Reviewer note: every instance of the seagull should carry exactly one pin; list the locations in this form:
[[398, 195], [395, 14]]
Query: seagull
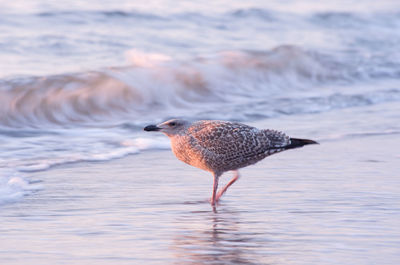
[[221, 146]]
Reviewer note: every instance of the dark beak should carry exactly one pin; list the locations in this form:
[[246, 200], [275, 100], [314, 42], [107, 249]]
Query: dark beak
[[151, 128]]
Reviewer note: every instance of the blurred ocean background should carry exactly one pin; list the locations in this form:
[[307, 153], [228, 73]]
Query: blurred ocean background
[[79, 81]]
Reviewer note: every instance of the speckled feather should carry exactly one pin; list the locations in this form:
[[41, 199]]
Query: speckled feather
[[220, 146]]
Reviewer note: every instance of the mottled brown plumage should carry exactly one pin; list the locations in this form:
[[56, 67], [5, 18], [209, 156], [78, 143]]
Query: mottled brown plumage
[[220, 146]]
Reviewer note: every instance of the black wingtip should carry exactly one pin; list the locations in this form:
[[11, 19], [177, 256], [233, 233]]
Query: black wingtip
[[295, 143], [303, 141]]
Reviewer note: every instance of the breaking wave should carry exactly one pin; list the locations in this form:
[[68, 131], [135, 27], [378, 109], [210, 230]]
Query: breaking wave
[[279, 81]]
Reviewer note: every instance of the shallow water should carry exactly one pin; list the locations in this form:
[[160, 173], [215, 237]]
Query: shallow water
[[81, 183], [241, 61], [278, 214], [335, 203]]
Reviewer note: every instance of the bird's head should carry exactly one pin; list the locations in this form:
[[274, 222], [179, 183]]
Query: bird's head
[[170, 128]]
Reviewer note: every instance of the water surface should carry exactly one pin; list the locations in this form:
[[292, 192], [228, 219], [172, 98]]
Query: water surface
[[81, 183]]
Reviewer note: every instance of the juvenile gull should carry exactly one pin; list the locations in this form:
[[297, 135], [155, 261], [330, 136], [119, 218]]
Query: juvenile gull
[[220, 146]]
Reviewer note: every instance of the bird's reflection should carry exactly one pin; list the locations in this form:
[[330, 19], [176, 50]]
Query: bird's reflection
[[213, 237]]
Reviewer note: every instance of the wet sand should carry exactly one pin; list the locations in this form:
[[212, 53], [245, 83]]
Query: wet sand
[[335, 203]]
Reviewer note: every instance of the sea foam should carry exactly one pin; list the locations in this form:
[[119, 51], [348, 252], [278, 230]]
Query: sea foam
[[13, 186]]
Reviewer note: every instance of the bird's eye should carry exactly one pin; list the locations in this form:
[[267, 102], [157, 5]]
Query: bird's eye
[[172, 123]]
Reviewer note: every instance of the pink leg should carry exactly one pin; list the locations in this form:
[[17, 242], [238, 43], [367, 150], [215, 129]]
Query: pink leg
[[221, 192], [215, 188]]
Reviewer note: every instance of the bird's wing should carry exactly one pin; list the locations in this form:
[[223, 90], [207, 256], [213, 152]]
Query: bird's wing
[[236, 141]]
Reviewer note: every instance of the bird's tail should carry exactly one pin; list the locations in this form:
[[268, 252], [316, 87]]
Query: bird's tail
[[295, 143]]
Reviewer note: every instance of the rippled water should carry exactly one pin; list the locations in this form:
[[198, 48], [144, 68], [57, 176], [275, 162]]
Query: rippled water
[[336, 203], [79, 179]]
